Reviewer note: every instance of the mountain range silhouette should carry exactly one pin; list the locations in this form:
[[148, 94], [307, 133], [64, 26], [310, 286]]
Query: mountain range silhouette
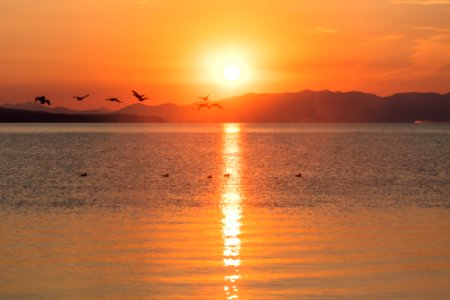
[[305, 106]]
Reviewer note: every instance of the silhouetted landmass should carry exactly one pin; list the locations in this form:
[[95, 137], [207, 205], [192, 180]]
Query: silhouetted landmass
[[306, 106], [173, 112], [8, 115], [310, 106], [33, 106], [418, 106]]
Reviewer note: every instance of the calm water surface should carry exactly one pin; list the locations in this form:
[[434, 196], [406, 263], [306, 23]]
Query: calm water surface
[[368, 219]]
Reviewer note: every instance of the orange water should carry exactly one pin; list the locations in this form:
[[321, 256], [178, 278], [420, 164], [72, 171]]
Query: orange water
[[368, 219]]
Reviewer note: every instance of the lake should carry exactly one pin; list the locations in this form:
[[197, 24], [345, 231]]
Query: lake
[[369, 217]]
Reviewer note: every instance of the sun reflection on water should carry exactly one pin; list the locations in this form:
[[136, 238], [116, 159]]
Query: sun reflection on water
[[231, 206]]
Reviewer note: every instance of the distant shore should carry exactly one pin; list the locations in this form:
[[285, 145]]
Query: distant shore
[[25, 116], [299, 107]]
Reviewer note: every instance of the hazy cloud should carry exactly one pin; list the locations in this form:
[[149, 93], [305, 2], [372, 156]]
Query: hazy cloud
[[322, 29], [431, 29], [433, 52], [373, 52], [445, 69], [421, 2]]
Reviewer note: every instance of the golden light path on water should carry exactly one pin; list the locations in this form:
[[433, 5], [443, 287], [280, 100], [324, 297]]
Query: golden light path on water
[[231, 205]]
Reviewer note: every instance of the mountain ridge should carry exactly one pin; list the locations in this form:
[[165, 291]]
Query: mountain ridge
[[304, 106], [9, 115]]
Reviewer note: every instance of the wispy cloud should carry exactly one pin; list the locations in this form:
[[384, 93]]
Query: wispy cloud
[[422, 2], [445, 69], [383, 40], [433, 51], [431, 29], [322, 29], [388, 52]]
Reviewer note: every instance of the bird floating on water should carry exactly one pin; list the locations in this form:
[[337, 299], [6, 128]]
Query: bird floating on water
[[80, 98], [226, 175], [140, 97], [210, 176], [165, 175], [42, 100], [83, 174], [114, 100], [298, 175]]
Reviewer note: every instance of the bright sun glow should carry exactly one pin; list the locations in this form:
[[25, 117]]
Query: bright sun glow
[[232, 128], [228, 68], [232, 72]]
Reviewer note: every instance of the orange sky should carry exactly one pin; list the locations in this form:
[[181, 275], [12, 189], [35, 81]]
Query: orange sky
[[170, 49]]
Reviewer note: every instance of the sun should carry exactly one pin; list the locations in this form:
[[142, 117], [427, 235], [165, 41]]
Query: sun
[[232, 72], [229, 69]]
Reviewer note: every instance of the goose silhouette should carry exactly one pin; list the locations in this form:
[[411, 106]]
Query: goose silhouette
[[114, 100], [140, 97], [200, 105], [204, 98], [208, 106], [80, 98], [42, 100]]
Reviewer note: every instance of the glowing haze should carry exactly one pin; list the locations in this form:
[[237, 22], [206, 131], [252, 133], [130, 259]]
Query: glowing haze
[[174, 51]]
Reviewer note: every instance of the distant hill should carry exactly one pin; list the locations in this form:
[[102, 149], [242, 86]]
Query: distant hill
[[33, 106], [408, 107], [171, 112], [309, 106], [8, 115], [305, 106]]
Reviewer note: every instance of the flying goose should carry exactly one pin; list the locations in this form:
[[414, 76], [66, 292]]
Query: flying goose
[[42, 100], [114, 100], [139, 96], [79, 98]]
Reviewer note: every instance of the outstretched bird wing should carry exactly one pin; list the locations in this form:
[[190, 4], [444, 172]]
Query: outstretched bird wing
[[218, 105], [200, 105], [139, 96], [113, 100], [79, 98]]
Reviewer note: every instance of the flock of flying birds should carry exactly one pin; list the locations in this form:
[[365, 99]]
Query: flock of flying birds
[[205, 103], [141, 97]]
